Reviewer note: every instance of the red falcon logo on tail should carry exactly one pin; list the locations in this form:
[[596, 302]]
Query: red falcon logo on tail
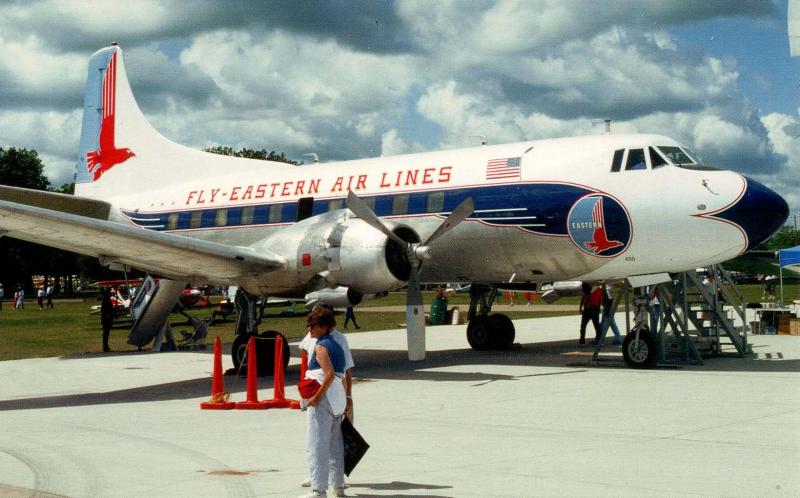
[[108, 155]]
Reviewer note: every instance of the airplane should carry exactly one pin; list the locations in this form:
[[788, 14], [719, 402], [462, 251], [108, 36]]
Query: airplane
[[515, 215]]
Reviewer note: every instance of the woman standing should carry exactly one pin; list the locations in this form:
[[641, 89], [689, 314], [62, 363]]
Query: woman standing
[[325, 407]]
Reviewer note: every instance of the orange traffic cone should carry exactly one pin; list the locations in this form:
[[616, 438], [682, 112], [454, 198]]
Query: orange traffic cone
[[279, 400], [219, 398], [252, 402]]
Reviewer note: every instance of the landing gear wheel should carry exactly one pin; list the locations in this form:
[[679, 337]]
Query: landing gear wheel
[[265, 349], [239, 352], [479, 333], [640, 353], [502, 330], [265, 352]]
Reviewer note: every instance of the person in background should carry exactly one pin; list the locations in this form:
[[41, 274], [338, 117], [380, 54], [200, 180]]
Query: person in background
[[49, 295], [2, 293], [590, 310], [350, 315], [324, 446], [608, 317], [655, 308], [20, 303], [106, 316], [40, 297]]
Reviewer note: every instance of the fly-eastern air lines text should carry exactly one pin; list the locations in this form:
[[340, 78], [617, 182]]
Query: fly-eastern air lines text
[[314, 186]]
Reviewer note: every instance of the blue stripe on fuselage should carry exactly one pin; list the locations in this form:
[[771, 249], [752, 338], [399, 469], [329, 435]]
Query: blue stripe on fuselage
[[536, 207]]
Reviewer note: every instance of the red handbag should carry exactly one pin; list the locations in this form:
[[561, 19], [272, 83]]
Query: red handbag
[[308, 388]]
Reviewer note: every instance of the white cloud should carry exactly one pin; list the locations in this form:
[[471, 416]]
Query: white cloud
[[392, 144]]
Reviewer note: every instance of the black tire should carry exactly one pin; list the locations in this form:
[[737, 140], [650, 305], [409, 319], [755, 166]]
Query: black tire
[[265, 349], [641, 353], [265, 352], [479, 333], [502, 332], [239, 352]]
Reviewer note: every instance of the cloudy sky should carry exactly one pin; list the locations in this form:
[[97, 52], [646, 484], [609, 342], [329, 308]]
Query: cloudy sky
[[349, 79]]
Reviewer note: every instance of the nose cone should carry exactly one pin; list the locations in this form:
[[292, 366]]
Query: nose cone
[[759, 213]]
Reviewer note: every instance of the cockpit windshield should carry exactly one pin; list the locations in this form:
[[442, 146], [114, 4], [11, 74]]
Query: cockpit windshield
[[676, 155], [684, 158]]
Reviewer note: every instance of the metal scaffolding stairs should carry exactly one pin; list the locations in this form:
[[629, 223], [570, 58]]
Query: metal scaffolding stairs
[[696, 320], [711, 311]]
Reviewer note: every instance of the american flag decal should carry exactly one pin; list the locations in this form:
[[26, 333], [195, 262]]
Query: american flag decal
[[507, 167]]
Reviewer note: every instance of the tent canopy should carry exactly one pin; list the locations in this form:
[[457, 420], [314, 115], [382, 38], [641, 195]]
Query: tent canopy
[[788, 257]]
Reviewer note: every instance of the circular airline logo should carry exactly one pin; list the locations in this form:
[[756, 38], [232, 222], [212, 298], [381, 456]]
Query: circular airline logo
[[599, 225]]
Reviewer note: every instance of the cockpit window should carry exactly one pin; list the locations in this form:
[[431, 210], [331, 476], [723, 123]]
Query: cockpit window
[[656, 161], [635, 160], [697, 159], [676, 155], [616, 164]]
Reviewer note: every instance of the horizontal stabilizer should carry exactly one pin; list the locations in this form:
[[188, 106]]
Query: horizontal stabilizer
[[65, 203], [165, 254]]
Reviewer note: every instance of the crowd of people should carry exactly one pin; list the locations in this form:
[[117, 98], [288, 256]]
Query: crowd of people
[[44, 297]]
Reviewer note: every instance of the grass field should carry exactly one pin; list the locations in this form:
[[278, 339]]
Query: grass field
[[69, 328]]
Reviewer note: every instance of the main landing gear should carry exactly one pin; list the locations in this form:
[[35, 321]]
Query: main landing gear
[[487, 332], [247, 320]]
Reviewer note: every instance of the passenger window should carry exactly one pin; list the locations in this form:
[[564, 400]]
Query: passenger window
[[656, 161], [275, 212], [636, 160], [194, 221], [335, 204], [616, 164], [172, 221], [221, 218], [370, 202], [435, 202], [400, 204], [247, 215]]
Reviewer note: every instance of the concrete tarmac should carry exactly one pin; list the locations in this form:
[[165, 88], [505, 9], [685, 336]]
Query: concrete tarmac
[[537, 421]]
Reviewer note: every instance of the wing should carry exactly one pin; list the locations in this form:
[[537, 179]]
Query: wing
[[169, 255]]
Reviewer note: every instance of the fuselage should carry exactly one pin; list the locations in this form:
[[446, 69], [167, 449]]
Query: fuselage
[[574, 208]]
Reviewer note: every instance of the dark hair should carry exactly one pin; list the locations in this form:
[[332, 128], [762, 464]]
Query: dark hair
[[322, 316]]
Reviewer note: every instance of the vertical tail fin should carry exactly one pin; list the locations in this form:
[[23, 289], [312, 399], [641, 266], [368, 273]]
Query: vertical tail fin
[[121, 154], [113, 128]]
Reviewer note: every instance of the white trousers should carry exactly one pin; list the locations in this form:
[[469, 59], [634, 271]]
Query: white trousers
[[324, 447]]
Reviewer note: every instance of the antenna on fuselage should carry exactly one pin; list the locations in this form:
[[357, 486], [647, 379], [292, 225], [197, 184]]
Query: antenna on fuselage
[[314, 155], [483, 138], [607, 122]]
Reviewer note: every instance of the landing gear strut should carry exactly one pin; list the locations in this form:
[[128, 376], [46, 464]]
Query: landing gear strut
[[639, 349], [487, 332], [247, 320]]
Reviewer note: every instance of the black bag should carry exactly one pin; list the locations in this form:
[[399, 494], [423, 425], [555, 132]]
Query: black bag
[[354, 446]]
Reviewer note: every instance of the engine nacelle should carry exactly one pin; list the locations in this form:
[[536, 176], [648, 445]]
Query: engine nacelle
[[335, 249], [365, 259], [339, 297]]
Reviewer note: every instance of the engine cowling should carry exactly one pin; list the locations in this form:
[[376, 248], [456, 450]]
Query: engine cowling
[[365, 259], [335, 249]]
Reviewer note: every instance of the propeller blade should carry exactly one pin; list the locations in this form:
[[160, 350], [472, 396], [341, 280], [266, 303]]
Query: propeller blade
[[459, 214], [415, 316], [357, 206]]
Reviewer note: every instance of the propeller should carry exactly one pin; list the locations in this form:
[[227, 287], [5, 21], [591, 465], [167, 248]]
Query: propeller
[[416, 252]]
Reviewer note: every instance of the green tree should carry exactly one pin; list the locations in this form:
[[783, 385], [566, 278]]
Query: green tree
[[261, 154], [22, 168], [785, 237], [21, 260]]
